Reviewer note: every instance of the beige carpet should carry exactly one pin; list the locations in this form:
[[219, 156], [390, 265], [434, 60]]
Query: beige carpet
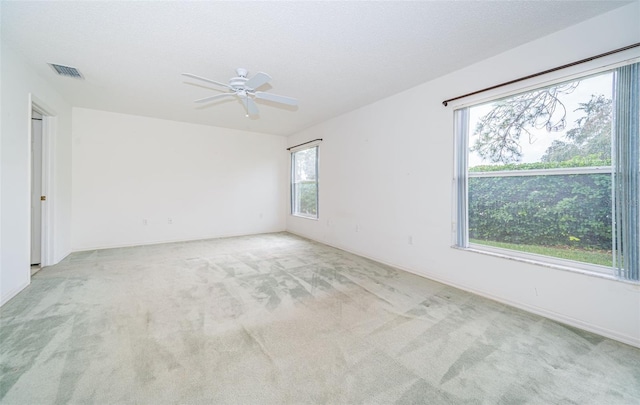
[[277, 319]]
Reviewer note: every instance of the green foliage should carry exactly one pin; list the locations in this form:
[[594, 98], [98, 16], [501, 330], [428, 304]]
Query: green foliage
[[591, 135], [559, 210], [307, 194]]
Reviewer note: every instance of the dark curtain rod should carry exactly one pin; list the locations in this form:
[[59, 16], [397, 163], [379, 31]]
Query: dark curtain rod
[[637, 44], [319, 139]]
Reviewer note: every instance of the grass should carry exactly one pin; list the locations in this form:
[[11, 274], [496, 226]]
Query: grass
[[600, 257]]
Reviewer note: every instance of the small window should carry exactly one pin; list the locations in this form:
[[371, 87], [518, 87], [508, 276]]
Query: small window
[[304, 183], [551, 175]]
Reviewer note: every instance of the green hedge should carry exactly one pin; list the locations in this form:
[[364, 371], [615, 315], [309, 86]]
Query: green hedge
[[558, 210], [308, 197]]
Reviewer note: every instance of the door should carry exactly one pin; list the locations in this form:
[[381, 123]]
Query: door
[[36, 188]]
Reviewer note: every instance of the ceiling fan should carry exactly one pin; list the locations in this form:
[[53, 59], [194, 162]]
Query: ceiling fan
[[245, 90]]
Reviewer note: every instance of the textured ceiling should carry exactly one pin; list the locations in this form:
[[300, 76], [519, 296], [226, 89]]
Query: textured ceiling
[[333, 56]]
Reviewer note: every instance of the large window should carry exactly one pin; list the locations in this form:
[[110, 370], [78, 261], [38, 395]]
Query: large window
[[552, 174], [304, 182]]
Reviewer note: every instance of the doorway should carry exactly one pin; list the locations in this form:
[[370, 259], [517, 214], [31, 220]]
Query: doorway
[[36, 191], [42, 129]]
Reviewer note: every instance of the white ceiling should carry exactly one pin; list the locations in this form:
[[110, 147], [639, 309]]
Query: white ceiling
[[333, 56]]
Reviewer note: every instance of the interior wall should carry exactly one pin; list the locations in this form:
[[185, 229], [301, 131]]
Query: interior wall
[[386, 176], [139, 180], [18, 82]]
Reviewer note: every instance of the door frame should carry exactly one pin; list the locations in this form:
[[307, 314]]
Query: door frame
[[49, 128]]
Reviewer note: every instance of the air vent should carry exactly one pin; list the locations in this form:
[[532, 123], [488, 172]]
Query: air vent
[[66, 71]]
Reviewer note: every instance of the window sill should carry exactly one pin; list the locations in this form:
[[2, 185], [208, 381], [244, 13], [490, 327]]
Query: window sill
[[558, 264], [305, 217]]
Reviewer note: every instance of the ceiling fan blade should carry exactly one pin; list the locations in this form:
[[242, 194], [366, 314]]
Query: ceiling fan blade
[[276, 98], [252, 107], [258, 80], [207, 80], [211, 98]]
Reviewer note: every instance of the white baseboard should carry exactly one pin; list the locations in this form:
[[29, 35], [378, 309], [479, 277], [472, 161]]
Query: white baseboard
[[567, 320], [57, 259], [190, 239], [6, 298]]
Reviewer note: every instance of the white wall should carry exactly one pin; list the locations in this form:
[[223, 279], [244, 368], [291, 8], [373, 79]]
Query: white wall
[[208, 181], [18, 81], [386, 175]]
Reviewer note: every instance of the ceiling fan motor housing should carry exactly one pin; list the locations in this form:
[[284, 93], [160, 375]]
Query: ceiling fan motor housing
[[237, 82]]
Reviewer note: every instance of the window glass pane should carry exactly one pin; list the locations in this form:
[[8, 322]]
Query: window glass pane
[[567, 125], [563, 216], [532, 185], [304, 184]]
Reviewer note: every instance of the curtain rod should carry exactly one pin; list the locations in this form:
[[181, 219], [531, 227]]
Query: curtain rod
[[319, 139], [445, 102]]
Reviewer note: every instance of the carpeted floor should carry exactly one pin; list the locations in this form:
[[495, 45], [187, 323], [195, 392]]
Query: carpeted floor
[[277, 319]]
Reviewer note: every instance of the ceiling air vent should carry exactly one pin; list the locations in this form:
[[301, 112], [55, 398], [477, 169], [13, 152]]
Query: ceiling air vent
[[66, 71]]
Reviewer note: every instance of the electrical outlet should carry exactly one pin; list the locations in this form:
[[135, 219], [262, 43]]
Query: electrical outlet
[[410, 240], [170, 221], [145, 222], [357, 228]]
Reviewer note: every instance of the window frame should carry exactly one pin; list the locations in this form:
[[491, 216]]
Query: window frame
[[604, 270], [460, 220], [292, 186]]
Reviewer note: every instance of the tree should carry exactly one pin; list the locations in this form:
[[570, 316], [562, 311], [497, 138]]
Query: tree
[[591, 135], [305, 164], [500, 131]]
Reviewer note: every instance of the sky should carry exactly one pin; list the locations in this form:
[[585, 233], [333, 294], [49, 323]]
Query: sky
[[532, 152]]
